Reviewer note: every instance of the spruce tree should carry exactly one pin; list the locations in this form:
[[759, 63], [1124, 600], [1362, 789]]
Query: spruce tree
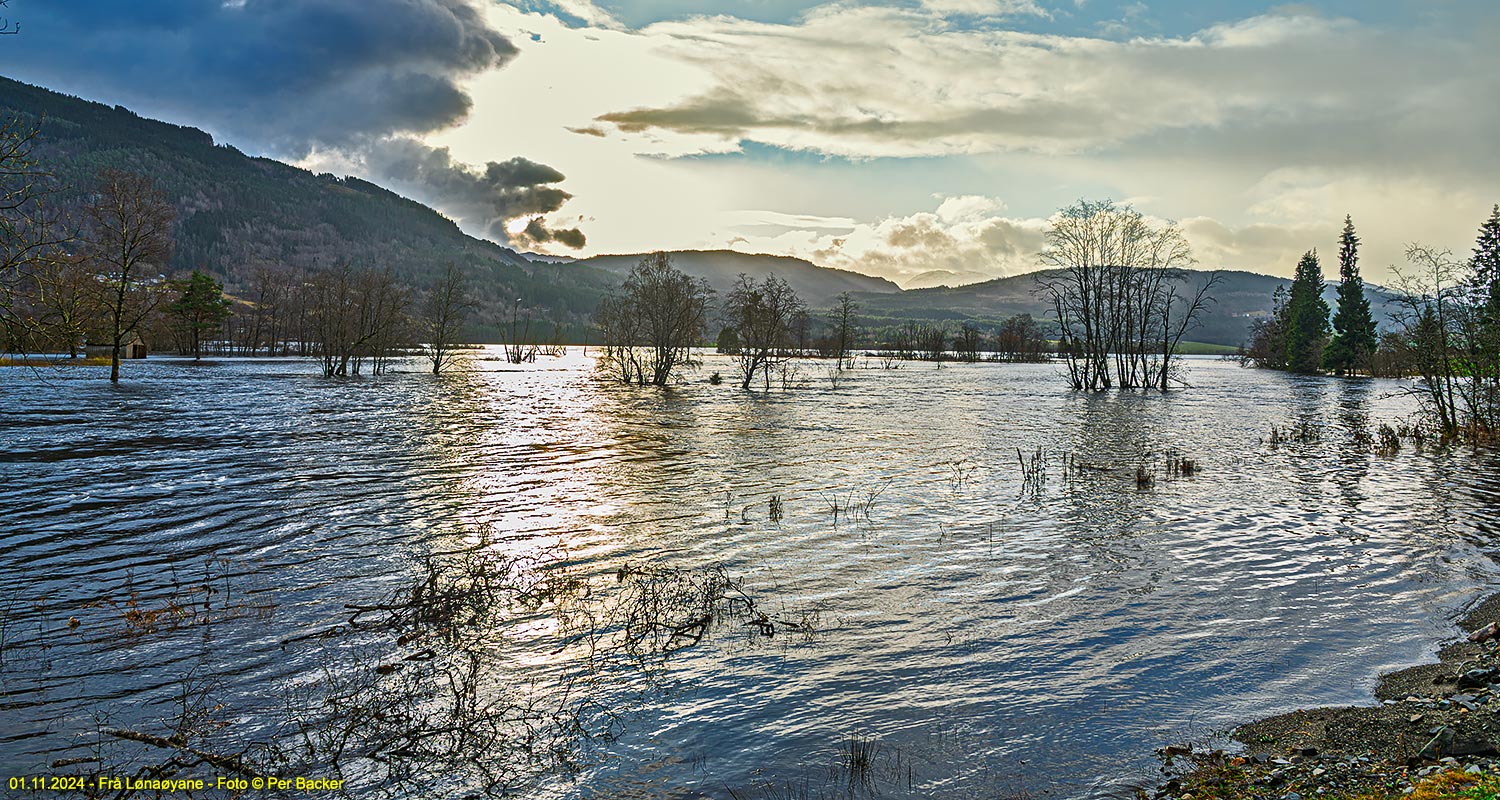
[[1307, 317], [1354, 329], [200, 309], [1486, 301], [1487, 268]]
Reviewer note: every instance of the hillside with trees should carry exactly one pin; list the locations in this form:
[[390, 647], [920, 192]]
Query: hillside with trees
[[235, 213]]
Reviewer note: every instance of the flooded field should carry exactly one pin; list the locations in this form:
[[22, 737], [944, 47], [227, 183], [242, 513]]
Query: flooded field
[[704, 592]]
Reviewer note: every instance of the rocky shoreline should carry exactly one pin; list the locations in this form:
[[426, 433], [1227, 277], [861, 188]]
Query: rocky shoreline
[[1434, 734]]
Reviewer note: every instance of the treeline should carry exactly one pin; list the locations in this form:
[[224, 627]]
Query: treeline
[[1446, 333], [650, 327]]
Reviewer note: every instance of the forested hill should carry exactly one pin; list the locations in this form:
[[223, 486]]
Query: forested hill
[[235, 212]]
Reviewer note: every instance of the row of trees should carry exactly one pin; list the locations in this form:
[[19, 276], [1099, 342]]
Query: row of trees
[[660, 314], [97, 280], [1297, 336], [650, 327], [1446, 333], [1017, 339]]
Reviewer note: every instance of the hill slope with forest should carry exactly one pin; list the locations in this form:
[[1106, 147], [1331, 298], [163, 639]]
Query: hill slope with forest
[[236, 212]]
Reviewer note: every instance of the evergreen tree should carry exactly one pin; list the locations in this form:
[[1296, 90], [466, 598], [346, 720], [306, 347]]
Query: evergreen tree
[[1307, 317], [1486, 309], [1487, 268], [1268, 336], [199, 309], [1354, 329]]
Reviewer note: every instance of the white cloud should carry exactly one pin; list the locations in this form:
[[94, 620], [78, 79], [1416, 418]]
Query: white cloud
[[966, 239], [862, 81], [1260, 134], [986, 8]]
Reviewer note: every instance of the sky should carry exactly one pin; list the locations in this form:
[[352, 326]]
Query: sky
[[926, 141]]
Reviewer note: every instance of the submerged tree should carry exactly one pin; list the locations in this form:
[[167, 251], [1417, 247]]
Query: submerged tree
[[356, 315], [129, 238], [841, 318], [762, 317], [1020, 339], [652, 324], [966, 343], [443, 314], [200, 308], [1113, 290], [1307, 317], [1354, 333]]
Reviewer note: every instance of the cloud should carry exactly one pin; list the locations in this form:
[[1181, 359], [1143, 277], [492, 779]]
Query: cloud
[[985, 8], [318, 81], [284, 75], [971, 238], [869, 82], [965, 239], [490, 201]]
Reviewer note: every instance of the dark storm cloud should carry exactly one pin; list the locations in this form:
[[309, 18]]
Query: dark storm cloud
[[290, 77], [482, 200], [280, 76], [537, 232]]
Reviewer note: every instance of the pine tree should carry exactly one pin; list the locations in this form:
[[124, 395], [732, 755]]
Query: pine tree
[[200, 308], [1354, 328], [1487, 267], [1307, 317]]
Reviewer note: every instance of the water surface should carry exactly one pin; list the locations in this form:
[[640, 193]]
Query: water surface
[[988, 638]]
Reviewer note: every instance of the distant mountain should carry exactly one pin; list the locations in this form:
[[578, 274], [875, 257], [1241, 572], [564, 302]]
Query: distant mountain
[[935, 278], [818, 286], [544, 258], [235, 212], [1240, 298]]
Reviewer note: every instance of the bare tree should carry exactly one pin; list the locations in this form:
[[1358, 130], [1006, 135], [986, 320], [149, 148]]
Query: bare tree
[[651, 326], [129, 236], [932, 341], [8, 28], [762, 316], [64, 298], [1119, 315], [443, 314], [356, 315], [515, 336], [1431, 328], [1020, 339], [966, 344], [30, 232], [842, 320]]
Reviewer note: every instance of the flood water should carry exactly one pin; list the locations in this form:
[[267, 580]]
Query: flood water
[[987, 638]]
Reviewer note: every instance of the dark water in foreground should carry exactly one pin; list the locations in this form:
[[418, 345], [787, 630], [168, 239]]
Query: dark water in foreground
[[987, 640]]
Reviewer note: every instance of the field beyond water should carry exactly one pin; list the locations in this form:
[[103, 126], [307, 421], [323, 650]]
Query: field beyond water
[[947, 582]]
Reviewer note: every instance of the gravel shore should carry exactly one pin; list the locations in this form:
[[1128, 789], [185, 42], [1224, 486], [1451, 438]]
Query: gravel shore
[[1434, 733]]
